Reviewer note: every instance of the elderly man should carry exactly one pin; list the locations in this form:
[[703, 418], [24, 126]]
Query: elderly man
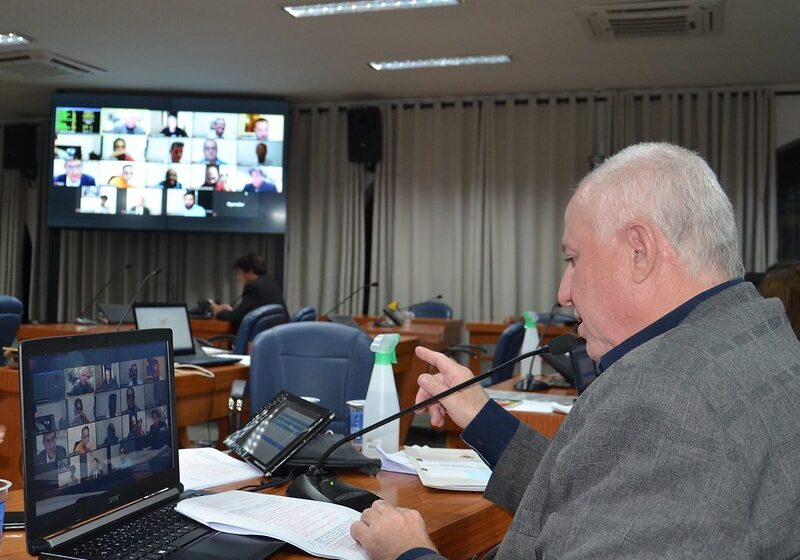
[[687, 445]]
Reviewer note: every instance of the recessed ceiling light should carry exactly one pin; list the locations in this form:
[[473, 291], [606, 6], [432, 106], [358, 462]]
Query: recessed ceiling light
[[441, 62], [359, 6], [11, 38]]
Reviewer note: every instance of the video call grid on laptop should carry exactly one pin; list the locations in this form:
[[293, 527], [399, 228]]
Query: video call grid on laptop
[[100, 441], [175, 316]]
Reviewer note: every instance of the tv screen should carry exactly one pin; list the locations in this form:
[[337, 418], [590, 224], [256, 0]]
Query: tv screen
[[168, 163]]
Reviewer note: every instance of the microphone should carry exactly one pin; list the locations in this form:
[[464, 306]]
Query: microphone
[[155, 272], [314, 485], [80, 319], [350, 296], [434, 298]]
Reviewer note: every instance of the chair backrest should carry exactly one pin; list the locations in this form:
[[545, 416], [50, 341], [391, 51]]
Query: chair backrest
[[272, 314], [507, 347], [10, 317], [432, 310], [311, 359], [306, 313]]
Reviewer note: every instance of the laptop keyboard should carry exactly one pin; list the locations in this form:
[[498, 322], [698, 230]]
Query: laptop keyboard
[[153, 535]]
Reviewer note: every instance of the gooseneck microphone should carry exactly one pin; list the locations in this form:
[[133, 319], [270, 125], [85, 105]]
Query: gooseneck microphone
[[314, 485], [434, 298], [81, 319], [152, 273], [350, 296]]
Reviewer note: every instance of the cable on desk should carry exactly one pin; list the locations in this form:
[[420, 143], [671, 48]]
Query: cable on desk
[[271, 483]]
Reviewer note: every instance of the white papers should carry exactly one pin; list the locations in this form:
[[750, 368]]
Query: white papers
[[396, 462], [206, 467], [562, 408], [449, 469], [319, 528]]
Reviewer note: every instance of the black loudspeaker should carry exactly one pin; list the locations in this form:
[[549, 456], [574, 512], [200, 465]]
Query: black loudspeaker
[[364, 135], [19, 147]]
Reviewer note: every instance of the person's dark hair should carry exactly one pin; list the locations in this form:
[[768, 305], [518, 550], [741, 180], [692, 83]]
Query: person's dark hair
[[783, 282], [250, 263]]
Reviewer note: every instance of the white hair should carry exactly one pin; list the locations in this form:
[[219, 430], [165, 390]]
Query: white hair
[[677, 191]]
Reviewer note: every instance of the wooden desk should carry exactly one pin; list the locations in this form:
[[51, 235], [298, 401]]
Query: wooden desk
[[201, 328], [546, 423], [199, 399], [461, 524], [432, 333], [487, 333]]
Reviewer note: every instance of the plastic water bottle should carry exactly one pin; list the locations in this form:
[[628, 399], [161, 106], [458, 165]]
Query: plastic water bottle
[[381, 400], [530, 342]]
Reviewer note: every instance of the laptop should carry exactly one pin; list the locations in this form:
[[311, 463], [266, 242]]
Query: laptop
[[100, 452], [175, 316]]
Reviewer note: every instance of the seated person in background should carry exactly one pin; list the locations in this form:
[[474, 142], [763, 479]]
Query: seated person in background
[[48, 458], [104, 208], [158, 434], [133, 376], [217, 128], [686, 445], [130, 398], [109, 383], [123, 181], [783, 282], [97, 468], [121, 150], [210, 149], [172, 128], [79, 416], [124, 460], [176, 152], [160, 387], [170, 180], [129, 124], [83, 385], [111, 436], [261, 129], [191, 208], [211, 177], [83, 446], [74, 175], [261, 153], [139, 208], [259, 289], [258, 183]]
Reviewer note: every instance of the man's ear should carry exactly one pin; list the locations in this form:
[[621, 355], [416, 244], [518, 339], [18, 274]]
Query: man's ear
[[643, 249]]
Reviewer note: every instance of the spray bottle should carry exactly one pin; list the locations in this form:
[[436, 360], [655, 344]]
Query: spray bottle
[[530, 342], [381, 400]]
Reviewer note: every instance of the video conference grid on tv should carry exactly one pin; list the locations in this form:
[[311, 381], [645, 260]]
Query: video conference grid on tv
[[153, 162], [99, 420]]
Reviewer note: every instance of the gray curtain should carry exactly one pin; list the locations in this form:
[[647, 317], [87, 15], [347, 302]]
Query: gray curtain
[[734, 131], [470, 201], [325, 213]]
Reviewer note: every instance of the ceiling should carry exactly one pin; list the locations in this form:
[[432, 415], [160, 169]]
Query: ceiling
[[252, 47]]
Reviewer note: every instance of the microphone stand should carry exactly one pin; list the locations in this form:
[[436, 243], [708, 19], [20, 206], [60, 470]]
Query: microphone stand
[[350, 296], [156, 272], [314, 486], [80, 319]]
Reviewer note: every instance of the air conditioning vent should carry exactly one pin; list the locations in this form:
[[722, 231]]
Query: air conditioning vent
[[659, 18], [43, 65]]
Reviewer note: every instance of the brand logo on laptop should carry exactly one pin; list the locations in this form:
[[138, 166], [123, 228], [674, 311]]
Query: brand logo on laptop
[[113, 499]]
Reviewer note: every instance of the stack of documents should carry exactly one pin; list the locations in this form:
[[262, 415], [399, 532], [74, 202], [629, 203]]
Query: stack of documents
[[319, 528], [206, 467]]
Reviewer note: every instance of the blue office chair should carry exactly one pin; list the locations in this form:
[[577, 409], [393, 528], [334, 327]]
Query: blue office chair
[[507, 347], [306, 313], [311, 359], [431, 310], [10, 318], [257, 320]]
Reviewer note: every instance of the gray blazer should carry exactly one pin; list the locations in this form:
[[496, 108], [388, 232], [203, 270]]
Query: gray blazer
[[687, 447]]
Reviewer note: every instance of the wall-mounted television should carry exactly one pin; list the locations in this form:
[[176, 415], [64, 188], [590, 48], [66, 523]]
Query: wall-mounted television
[[168, 163]]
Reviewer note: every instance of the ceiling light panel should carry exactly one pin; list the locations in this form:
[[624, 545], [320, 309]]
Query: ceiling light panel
[[441, 62], [361, 6], [10, 38]]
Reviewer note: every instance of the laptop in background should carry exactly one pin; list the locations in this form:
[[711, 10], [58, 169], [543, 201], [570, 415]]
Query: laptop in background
[[175, 316], [100, 452]]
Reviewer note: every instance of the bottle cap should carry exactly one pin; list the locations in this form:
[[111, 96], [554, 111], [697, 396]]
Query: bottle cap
[[383, 346], [531, 318]]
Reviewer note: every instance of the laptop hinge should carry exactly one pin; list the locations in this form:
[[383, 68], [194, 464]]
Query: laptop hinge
[[107, 518]]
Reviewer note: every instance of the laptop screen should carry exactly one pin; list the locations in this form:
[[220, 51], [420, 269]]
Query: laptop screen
[[99, 424], [175, 317]]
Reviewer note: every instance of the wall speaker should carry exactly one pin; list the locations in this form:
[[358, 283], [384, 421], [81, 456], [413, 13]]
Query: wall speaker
[[19, 147], [364, 135]]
